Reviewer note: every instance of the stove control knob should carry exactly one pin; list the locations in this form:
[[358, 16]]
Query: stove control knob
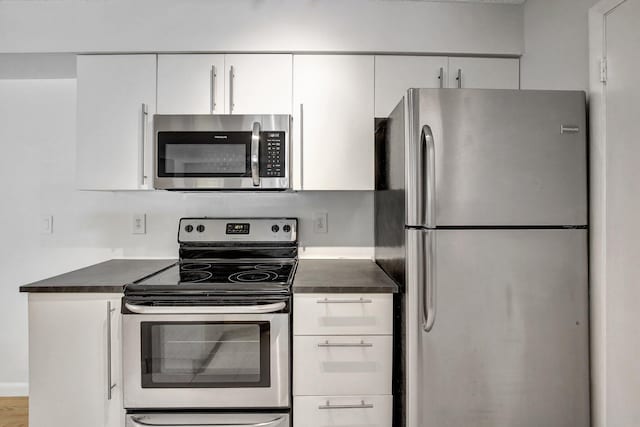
[[200, 228], [286, 228], [275, 228], [188, 228]]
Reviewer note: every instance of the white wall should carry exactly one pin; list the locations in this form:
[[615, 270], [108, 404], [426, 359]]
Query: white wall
[[37, 166], [259, 25], [37, 123], [556, 45]]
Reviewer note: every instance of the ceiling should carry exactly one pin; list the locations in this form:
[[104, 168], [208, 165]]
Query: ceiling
[[480, 1]]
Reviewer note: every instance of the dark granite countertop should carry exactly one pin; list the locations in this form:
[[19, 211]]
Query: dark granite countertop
[[341, 276], [108, 276]]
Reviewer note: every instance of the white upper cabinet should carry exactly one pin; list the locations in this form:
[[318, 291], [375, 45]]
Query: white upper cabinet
[[116, 103], [258, 84], [484, 73], [191, 84], [333, 122], [396, 74]]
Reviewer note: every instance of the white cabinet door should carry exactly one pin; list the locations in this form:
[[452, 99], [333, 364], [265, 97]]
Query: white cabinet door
[[396, 74], [334, 143], [258, 84], [342, 411], [69, 360], [342, 365], [343, 314], [191, 84], [484, 73], [113, 131]]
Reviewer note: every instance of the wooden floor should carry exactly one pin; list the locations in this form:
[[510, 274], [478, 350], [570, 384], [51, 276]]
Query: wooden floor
[[14, 412]]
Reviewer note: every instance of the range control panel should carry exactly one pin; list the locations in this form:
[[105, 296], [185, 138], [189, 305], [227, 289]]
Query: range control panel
[[200, 230], [272, 154]]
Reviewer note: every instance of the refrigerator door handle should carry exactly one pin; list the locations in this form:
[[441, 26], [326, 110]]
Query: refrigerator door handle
[[428, 279], [427, 156]]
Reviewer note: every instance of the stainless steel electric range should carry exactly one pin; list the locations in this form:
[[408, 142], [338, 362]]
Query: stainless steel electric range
[[211, 333]]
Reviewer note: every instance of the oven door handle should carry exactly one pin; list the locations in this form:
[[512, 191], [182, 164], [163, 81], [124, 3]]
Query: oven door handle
[[243, 309], [137, 422]]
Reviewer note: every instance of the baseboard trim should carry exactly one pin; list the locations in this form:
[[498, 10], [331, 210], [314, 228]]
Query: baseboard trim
[[14, 389]]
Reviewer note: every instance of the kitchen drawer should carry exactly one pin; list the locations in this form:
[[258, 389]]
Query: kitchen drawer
[[342, 365], [375, 411], [343, 314]]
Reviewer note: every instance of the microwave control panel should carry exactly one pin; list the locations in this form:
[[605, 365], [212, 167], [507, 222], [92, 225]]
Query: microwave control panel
[[272, 154]]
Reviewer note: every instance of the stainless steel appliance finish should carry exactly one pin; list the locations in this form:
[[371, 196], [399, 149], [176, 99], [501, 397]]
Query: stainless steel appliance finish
[[207, 420], [213, 331], [222, 152], [496, 158], [481, 204], [221, 352], [197, 230]]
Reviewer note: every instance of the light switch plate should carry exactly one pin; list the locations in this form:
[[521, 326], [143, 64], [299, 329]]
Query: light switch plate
[[46, 224], [139, 225], [320, 222]]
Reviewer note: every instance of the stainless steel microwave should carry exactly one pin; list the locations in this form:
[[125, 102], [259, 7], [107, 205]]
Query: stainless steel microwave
[[222, 152]]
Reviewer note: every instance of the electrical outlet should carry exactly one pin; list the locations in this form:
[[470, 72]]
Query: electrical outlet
[[139, 224], [46, 224], [320, 222]]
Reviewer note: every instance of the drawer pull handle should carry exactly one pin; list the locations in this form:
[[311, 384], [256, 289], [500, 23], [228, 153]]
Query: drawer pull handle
[[362, 405], [344, 301], [345, 344]]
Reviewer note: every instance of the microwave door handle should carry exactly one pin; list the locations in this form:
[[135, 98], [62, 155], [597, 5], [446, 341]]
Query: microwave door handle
[[203, 309], [138, 422], [255, 154]]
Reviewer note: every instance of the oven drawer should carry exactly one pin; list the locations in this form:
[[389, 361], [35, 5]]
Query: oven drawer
[[342, 411], [343, 314], [342, 365], [207, 419]]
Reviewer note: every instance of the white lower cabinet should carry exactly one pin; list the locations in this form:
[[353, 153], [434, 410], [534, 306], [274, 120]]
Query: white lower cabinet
[[342, 411], [344, 314], [343, 365], [343, 378], [74, 360]]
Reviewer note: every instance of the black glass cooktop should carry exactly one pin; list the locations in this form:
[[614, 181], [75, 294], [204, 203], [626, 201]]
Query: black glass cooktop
[[222, 277]]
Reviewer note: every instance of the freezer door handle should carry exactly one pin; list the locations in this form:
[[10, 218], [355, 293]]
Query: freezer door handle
[[427, 178], [427, 278]]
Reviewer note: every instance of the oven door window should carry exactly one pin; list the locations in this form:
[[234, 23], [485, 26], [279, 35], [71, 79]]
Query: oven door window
[[204, 154], [205, 354]]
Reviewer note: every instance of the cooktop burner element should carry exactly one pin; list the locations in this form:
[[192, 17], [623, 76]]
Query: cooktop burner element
[[254, 276], [227, 257]]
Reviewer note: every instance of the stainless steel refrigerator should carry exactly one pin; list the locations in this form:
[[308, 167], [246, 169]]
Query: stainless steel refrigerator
[[481, 217]]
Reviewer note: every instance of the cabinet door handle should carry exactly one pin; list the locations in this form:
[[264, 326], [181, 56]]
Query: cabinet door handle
[[459, 78], [232, 75], [345, 344], [301, 146], [110, 384], [143, 142], [361, 405], [214, 74], [344, 301], [441, 77]]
